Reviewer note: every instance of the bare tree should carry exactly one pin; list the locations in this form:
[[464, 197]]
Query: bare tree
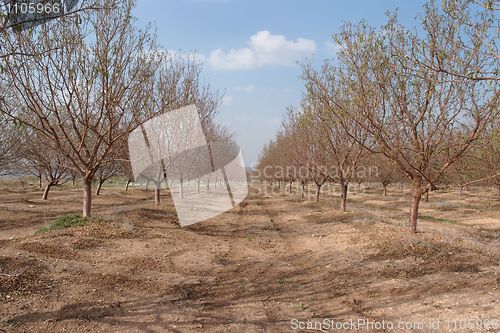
[[44, 162], [105, 172], [411, 111], [177, 83], [87, 95], [342, 139], [387, 172]]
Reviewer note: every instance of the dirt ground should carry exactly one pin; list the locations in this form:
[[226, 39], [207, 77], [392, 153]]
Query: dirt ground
[[266, 266]]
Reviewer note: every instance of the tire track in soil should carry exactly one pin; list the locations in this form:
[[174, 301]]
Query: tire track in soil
[[287, 233], [281, 251]]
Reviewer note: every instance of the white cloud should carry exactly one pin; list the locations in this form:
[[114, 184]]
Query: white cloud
[[249, 88], [263, 49]]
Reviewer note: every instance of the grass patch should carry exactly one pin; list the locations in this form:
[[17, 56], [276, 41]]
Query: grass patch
[[281, 281], [68, 221], [438, 219]]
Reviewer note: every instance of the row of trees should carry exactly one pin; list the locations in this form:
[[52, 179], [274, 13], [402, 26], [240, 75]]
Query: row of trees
[[73, 88], [419, 104]]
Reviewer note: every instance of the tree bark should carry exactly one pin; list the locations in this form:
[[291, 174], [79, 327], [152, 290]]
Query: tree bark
[[415, 202], [461, 191], [87, 197], [427, 196], [385, 190], [303, 190], [157, 193], [147, 184], [401, 186], [40, 180], [290, 187], [46, 191]]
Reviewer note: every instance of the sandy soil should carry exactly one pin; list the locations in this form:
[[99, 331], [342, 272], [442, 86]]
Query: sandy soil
[[274, 259]]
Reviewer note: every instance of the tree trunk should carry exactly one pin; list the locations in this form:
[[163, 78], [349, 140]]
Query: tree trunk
[[40, 180], [343, 201], [99, 185], [87, 197], [318, 188], [290, 187], [427, 196], [46, 191], [401, 186], [385, 190], [303, 190], [198, 184], [157, 193], [461, 191], [128, 183], [147, 184], [415, 202], [73, 178]]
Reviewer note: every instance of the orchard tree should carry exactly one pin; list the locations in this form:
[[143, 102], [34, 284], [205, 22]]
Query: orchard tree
[[177, 83], [37, 158], [412, 111], [87, 90], [387, 171], [296, 150], [343, 140]]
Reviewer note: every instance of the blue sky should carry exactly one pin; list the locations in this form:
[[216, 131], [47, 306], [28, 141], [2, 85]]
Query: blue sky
[[250, 50]]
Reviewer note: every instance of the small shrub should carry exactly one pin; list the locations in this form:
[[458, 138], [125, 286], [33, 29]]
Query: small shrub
[[66, 221]]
